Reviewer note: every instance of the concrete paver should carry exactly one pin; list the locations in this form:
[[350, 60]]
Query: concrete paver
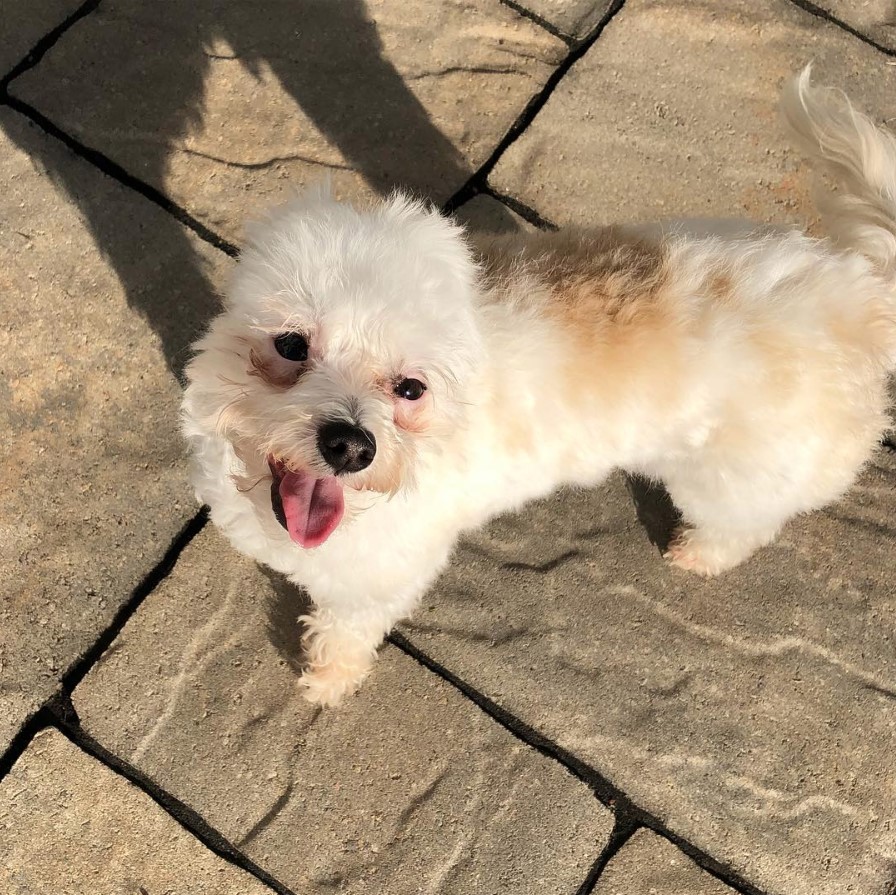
[[94, 484], [70, 825], [649, 865], [228, 109], [483, 214], [673, 113], [875, 19], [407, 786], [754, 713], [22, 25], [574, 18]]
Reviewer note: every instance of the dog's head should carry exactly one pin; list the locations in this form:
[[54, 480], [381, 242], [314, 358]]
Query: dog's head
[[342, 359]]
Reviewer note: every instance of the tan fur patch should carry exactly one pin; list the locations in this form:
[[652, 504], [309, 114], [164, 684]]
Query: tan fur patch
[[605, 289]]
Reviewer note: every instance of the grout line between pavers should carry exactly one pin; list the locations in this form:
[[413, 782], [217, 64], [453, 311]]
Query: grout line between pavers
[[117, 172], [77, 671], [67, 723], [477, 181], [624, 827], [606, 792], [543, 23], [526, 212], [818, 12], [40, 49]]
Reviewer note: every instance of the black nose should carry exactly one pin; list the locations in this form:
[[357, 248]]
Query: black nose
[[345, 447]]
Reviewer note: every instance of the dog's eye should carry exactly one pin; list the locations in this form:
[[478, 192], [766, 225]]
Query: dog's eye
[[410, 389], [292, 346]]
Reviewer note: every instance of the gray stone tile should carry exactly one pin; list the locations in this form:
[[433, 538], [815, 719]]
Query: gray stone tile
[[650, 865], [70, 825], [22, 25], [574, 18], [407, 787], [875, 19], [228, 107], [754, 713], [673, 113], [94, 484]]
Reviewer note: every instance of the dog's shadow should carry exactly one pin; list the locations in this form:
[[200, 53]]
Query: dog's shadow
[[287, 602], [656, 512], [653, 505]]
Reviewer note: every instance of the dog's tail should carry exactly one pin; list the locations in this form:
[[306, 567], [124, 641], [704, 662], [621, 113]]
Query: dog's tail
[[859, 157]]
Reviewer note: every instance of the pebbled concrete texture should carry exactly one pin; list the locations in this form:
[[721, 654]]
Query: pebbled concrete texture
[[754, 714], [699, 138], [22, 25], [876, 19], [94, 485], [371, 96], [572, 18], [650, 865], [752, 718], [407, 787], [70, 825]]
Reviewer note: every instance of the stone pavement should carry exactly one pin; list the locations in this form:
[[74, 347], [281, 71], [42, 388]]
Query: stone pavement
[[565, 714]]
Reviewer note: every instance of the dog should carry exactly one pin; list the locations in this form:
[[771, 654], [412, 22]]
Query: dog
[[380, 382]]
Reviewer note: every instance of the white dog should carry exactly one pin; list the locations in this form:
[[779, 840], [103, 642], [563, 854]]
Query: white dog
[[377, 384]]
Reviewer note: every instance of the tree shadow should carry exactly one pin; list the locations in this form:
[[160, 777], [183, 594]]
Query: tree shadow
[[327, 55]]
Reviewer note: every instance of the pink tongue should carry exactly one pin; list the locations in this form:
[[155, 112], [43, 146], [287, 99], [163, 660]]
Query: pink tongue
[[313, 507]]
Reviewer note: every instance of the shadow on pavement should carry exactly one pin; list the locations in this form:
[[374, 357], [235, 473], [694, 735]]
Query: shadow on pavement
[[327, 56]]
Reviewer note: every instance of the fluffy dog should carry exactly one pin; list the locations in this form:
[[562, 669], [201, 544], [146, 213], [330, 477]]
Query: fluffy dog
[[378, 383]]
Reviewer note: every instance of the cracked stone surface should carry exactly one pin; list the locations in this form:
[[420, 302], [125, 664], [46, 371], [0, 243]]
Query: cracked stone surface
[[228, 110], [94, 487], [649, 865], [22, 25], [571, 17], [874, 18], [70, 825], [700, 136], [407, 787], [754, 713]]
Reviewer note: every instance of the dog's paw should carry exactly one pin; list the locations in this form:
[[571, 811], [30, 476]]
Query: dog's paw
[[329, 684], [688, 551]]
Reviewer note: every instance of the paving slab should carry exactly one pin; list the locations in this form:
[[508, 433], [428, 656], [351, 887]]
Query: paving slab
[[699, 135], [407, 787], [573, 18], [755, 714], [649, 865], [876, 19], [94, 483], [70, 825], [22, 25], [228, 109], [483, 214]]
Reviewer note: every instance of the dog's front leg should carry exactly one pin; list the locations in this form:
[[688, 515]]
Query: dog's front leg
[[339, 651], [341, 638]]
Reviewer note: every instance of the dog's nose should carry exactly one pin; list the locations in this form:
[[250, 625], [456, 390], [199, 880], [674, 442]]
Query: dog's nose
[[345, 447]]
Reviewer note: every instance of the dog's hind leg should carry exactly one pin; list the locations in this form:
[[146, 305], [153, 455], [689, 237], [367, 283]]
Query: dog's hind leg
[[731, 511]]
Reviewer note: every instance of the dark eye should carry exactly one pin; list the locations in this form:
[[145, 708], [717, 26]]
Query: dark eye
[[410, 389], [292, 346]]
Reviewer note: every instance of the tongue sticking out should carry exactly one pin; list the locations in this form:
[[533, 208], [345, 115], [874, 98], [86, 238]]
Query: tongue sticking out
[[312, 507]]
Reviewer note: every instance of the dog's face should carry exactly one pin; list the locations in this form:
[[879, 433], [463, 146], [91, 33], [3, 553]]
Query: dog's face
[[342, 360]]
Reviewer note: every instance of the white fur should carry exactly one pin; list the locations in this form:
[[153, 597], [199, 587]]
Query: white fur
[[751, 406]]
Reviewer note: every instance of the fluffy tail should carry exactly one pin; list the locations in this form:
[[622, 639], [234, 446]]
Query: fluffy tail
[[859, 157]]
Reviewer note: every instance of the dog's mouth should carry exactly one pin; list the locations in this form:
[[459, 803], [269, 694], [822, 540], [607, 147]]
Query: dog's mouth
[[309, 508]]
